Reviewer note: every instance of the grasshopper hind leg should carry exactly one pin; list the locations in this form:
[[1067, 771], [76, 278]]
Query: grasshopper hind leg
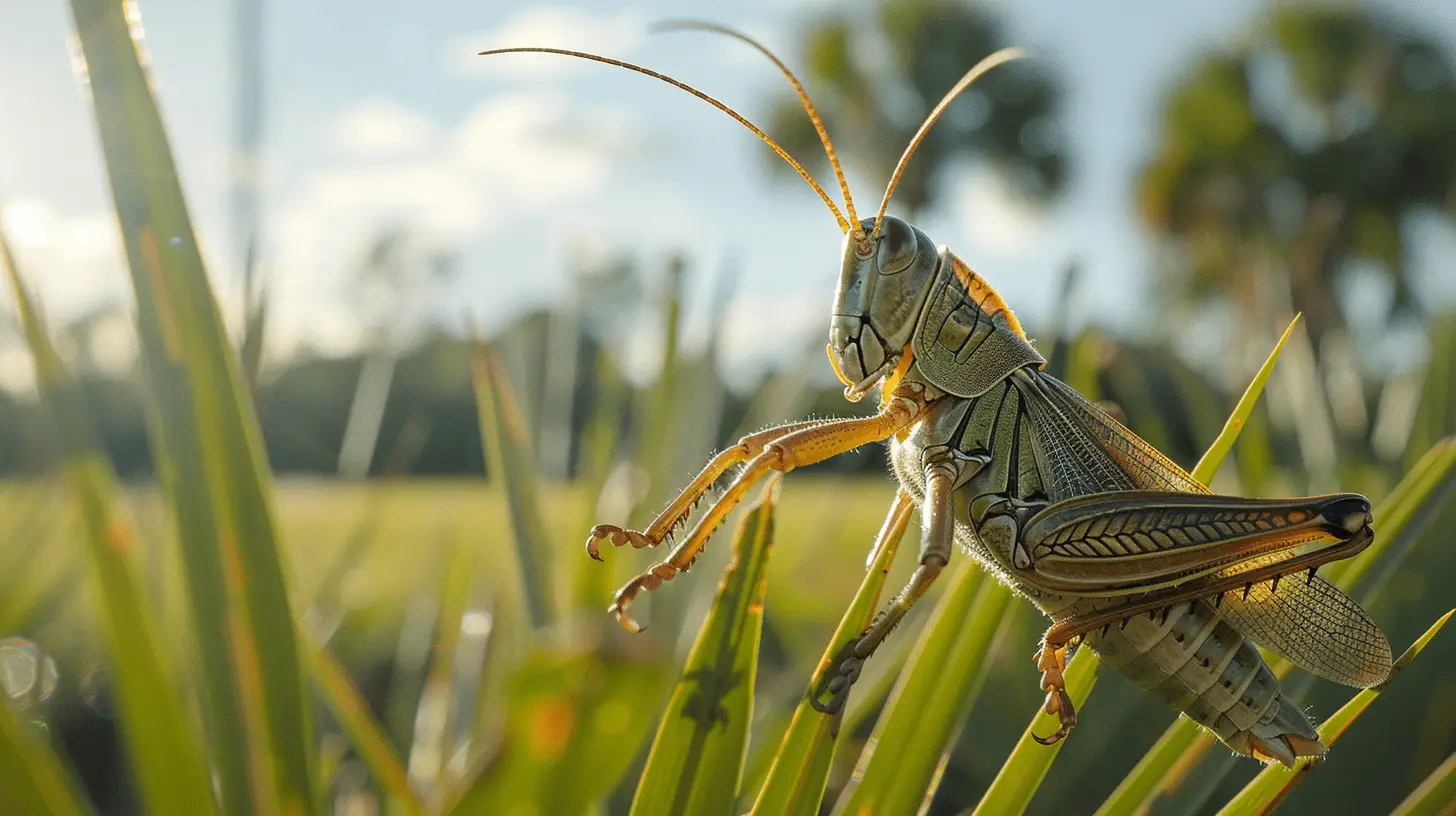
[[1052, 660]]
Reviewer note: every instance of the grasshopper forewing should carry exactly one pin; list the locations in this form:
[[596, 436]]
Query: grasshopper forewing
[[1120, 547]]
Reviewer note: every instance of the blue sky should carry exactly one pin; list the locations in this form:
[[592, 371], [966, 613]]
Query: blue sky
[[378, 113]]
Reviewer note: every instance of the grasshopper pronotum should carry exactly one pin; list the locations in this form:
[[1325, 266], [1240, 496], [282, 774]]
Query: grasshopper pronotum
[[1120, 547]]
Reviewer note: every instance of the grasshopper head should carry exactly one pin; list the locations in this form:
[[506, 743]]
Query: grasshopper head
[[883, 281]]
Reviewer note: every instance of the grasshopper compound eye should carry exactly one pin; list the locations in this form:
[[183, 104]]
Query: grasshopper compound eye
[[898, 246]]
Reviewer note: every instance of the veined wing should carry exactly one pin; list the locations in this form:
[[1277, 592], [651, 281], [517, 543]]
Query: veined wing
[[1309, 622], [1065, 414], [1314, 625]]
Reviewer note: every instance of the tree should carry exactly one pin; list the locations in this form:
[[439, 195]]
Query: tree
[[1297, 155], [1008, 118]]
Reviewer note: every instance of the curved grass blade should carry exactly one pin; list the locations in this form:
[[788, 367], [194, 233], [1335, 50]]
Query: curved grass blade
[[364, 731], [1272, 784], [1184, 743], [698, 755], [207, 443], [1027, 766], [509, 462], [429, 738], [1438, 791], [796, 779], [1208, 466], [159, 734], [1157, 766], [35, 780], [932, 696]]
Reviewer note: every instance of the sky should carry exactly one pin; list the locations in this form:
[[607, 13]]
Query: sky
[[378, 114]]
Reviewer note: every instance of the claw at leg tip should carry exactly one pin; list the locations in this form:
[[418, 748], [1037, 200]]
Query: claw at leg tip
[[626, 622]]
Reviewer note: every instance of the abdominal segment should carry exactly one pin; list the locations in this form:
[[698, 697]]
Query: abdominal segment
[[1196, 662]]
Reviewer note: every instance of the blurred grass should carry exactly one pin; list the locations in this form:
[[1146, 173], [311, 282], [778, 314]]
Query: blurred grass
[[160, 732], [207, 441]]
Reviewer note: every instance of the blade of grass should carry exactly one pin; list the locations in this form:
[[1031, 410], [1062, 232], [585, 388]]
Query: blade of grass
[[510, 463], [1156, 766], [697, 757], [1437, 792], [800, 770], [940, 681], [592, 581], [1208, 466], [35, 779], [1272, 784], [427, 754], [207, 443], [1029, 761], [159, 734], [364, 731]]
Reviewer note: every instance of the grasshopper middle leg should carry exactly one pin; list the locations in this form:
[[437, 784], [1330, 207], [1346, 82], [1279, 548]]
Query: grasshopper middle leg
[[937, 536]]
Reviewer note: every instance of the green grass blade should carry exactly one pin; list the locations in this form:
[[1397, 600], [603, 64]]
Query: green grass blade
[[1433, 795], [1027, 766], [509, 462], [1394, 515], [1272, 784], [170, 768], [35, 781], [698, 755], [364, 731], [430, 737], [796, 779], [207, 441], [1213, 458], [1173, 749], [932, 696]]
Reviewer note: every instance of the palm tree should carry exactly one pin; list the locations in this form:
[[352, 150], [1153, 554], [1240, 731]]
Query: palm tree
[[1288, 160]]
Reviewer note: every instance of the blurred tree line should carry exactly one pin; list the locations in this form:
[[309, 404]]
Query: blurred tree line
[[1284, 166]]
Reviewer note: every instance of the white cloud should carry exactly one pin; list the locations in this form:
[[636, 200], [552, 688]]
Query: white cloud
[[74, 262], [515, 153], [546, 26], [539, 148], [993, 217], [381, 127]]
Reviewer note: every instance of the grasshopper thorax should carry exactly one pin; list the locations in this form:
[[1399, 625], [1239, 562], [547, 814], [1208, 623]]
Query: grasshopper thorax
[[883, 282]]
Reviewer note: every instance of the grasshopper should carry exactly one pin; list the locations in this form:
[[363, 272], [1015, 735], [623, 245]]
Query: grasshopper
[[1122, 549]]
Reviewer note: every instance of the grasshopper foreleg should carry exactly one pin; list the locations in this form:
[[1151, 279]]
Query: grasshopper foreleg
[[678, 510], [937, 535], [804, 446]]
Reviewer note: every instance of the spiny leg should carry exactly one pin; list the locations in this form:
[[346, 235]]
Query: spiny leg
[[677, 511], [936, 537], [802, 447]]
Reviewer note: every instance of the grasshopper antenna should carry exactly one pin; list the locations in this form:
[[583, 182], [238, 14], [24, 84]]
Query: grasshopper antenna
[[1001, 57], [844, 225], [697, 25]]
